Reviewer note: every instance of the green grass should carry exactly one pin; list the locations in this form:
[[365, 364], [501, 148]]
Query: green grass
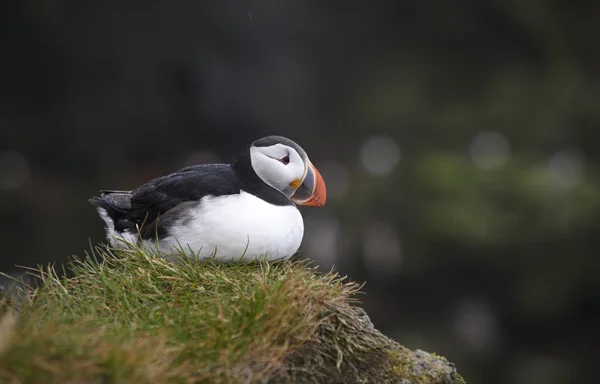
[[129, 316]]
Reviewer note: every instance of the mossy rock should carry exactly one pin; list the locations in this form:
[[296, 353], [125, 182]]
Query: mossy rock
[[130, 316], [348, 349]]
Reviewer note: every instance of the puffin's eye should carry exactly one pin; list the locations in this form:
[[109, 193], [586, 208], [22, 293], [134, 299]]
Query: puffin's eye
[[285, 160]]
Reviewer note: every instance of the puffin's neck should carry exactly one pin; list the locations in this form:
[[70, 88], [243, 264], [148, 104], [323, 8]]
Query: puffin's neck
[[252, 183]]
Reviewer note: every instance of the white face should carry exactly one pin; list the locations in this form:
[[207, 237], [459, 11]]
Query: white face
[[279, 166]]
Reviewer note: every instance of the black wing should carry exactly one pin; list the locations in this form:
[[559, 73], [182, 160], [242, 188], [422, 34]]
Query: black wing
[[152, 206]]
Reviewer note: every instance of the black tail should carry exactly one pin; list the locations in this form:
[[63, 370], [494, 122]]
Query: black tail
[[116, 203]]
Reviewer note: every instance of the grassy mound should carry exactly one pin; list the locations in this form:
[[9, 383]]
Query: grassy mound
[[129, 316]]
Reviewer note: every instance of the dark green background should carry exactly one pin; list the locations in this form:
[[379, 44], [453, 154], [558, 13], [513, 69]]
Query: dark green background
[[494, 267]]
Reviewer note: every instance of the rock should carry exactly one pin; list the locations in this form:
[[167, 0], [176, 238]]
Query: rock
[[348, 349]]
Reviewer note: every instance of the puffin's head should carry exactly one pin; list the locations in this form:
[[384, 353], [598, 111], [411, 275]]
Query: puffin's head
[[284, 165]]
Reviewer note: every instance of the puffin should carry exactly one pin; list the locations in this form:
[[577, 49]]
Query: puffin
[[227, 212]]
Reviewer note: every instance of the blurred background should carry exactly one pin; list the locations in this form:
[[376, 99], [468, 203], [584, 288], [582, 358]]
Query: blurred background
[[459, 142]]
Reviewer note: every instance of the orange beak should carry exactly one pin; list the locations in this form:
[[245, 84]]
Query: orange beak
[[312, 191]]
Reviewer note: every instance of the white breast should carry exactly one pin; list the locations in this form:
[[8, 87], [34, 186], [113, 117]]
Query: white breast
[[237, 227]]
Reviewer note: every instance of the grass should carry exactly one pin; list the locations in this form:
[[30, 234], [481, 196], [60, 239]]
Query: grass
[[129, 316]]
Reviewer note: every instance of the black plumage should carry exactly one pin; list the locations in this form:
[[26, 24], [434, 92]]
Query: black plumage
[[154, 206]]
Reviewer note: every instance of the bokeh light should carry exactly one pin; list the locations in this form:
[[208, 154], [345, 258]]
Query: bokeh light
[[489, 150], [475, 325], [380, 155], [566, 168]]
